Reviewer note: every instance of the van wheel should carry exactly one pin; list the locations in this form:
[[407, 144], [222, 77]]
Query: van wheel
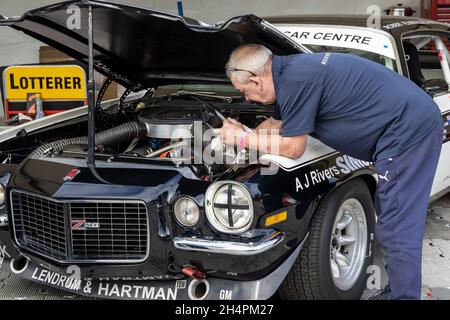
[[334, 260]]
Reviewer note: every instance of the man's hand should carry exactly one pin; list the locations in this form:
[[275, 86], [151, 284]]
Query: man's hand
[[230, 131], [291, 147]]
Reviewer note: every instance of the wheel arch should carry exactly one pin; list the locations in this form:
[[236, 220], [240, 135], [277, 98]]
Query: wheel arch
[[368, 177]]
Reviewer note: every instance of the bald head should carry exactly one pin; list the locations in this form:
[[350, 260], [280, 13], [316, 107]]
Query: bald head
[[253, 58]]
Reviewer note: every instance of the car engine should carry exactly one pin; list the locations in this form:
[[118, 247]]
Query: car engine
[[166, 129]]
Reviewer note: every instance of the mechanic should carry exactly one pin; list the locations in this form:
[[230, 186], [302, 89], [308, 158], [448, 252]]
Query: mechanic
[[362, 109]]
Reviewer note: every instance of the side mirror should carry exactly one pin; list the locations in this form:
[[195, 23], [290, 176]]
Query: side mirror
[[435, 86]]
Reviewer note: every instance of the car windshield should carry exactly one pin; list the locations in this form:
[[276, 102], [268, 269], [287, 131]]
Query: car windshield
[[386, 61]]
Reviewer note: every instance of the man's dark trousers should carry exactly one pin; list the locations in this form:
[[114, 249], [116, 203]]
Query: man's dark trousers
[[401, 203]]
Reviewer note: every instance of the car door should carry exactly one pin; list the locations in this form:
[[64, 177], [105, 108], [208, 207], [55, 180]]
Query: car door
[[427, 60]]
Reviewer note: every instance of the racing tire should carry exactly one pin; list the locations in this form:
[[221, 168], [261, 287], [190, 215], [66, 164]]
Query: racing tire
[[333, 262]]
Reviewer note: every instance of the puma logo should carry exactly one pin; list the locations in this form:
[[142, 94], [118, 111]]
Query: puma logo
[[385, 177]]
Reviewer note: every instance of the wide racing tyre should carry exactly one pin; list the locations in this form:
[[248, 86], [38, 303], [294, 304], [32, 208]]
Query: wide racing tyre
[[334, 260]]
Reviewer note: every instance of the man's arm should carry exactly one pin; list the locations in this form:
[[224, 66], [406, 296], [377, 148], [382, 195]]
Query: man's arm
[[232, 133], [291, 147], [269, 124]]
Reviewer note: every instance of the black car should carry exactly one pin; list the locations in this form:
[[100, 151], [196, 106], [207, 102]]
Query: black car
[[116, 210]]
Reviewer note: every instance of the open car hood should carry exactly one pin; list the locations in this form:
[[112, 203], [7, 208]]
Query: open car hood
[[141, 48]]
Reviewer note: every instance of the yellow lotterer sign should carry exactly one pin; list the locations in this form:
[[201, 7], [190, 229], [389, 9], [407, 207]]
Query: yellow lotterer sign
[[61, 87], [53, 82]]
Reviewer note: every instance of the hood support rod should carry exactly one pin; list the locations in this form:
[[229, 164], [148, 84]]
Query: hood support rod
[[91, 94], [91, 101]]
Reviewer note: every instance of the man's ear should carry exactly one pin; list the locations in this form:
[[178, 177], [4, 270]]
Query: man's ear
[[257, 81]]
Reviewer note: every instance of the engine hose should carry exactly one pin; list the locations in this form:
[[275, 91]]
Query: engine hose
[[125, 132]]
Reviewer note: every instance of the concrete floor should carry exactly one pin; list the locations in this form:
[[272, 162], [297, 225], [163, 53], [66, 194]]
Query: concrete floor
[[436, 254], [436, 265]]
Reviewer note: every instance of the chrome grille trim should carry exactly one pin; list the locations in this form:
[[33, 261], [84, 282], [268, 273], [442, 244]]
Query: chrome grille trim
[[68, 245]]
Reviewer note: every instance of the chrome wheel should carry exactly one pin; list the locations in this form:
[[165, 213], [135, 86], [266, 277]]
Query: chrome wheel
[[348, 244]]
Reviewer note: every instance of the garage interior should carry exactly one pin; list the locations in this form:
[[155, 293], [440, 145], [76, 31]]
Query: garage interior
[[18, 49]]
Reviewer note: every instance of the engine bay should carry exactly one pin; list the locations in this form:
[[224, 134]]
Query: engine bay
[[176, 123], [167, 128]]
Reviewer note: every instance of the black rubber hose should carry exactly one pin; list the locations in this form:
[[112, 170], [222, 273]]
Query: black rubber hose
[[125, 132], [57, 146]]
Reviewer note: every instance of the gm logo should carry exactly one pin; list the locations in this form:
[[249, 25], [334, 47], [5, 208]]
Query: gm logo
[[84, 225]]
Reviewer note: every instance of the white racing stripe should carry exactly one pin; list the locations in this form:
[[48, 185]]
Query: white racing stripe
[[315, 150]]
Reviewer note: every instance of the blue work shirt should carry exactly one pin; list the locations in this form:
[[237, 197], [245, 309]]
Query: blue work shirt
[[351, 104]]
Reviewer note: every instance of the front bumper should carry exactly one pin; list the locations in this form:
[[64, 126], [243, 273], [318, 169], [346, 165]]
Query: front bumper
[[144, 288]]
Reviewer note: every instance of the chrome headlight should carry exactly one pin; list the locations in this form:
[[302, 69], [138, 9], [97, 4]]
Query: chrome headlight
[[229, 207], [186, 211]]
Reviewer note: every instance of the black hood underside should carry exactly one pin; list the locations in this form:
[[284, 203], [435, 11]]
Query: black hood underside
[[141, 48]]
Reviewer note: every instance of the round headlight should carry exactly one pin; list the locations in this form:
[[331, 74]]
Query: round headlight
[[229, 207], [186, 212]]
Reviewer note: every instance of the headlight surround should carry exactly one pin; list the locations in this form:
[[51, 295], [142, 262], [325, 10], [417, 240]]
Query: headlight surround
[[187, 212], [229, 207], [2, 195], [3, 182]]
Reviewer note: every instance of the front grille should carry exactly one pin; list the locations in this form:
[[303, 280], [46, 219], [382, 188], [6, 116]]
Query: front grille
[[119, 230], [76, 231], [39, 224]]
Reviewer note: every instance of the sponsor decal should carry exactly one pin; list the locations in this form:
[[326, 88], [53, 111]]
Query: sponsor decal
[[330, 36], [137, 292], [106, 289], [56, 279], [158, 277], [365, 39], [344, 165], [225, 294], [79, 225], [3, 252]]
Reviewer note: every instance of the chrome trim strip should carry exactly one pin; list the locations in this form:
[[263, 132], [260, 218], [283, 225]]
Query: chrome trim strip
[[67, 240], [229, 247], [3, 220]]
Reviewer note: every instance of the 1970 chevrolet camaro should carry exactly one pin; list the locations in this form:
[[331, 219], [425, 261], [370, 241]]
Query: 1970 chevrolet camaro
[[101, 201]]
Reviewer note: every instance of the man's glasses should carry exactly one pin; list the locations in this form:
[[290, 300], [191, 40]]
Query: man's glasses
[[235, 69]]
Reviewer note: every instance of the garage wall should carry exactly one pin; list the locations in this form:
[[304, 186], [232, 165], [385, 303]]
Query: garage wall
[[19, 49]]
